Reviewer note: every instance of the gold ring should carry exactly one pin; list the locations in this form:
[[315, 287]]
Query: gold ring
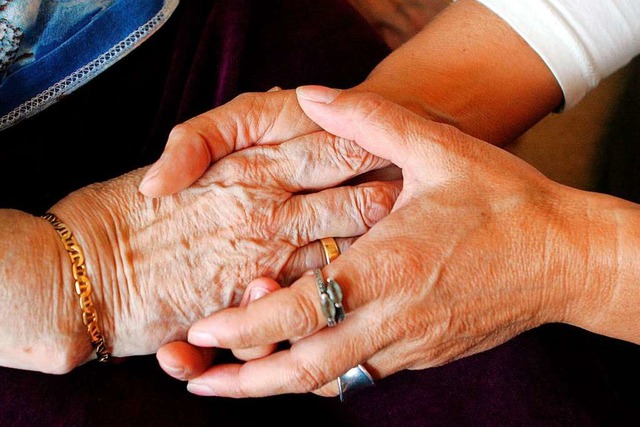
[[330, 249]]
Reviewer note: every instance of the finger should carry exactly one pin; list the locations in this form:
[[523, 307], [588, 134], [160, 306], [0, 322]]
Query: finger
[[254, 291], [310, 364], [337, 212], [184, 361], [249, 119], [376, 124], [310, 162], [307, 258], [294, 312], [183, 161], [306, 366], [393, 358], [287, 314], [254, 353], [332, 388], [247, 327]]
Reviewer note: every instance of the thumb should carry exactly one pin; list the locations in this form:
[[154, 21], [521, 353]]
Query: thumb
[[184, 160], [381, 127], [249, 119]]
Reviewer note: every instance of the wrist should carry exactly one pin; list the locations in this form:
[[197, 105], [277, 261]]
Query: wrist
[[74, 346], [91, 300], [607, 301], [82, 286]]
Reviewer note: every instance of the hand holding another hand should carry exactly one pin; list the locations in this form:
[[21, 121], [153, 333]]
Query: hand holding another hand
[[479, 247], [158, 265]]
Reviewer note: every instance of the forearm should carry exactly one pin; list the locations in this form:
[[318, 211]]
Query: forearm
[[40, 322], [41, 317], [481, 77]]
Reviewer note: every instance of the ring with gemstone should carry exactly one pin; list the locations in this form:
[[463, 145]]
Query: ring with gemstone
[[330, 298]]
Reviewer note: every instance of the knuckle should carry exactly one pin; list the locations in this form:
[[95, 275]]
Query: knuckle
[[253, 104], [307, 377], [186, 133], [414, 330], [181, 132], [241, 170], [188, 136], [374, 202], [247, 97], [233, 168], [242, 387], [244, 339], [300, 316], [245, 115], [299, 219], [446, 133], [351, 157], [394, 327]]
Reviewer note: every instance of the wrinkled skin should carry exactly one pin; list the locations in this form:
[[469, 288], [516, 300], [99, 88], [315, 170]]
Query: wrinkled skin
[[160, 264], [260, 118], [478, 248]]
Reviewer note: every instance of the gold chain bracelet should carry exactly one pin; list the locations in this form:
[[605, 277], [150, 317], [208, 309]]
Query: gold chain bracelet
[[82, 286]]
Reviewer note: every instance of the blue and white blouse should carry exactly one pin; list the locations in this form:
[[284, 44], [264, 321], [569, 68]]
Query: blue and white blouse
[[48, 48]]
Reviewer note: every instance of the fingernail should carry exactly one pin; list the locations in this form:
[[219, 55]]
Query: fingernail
[[152, 173], [202, 338], [144, 184], [252, 294], [173, 371], [257, 293], [322, 94], [199, 389]]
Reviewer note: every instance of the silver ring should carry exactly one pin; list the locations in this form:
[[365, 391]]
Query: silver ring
[[330, 298], [353, 380]]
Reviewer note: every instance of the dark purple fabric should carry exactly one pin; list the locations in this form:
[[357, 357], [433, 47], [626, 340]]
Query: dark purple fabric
[[209, 52]]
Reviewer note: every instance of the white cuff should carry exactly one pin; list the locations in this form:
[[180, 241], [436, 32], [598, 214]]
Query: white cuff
[[581, 41]]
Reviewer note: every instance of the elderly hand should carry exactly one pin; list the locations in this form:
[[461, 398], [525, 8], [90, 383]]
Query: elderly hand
[[478, 248], [249, 119], [158, 265], [257, 118]]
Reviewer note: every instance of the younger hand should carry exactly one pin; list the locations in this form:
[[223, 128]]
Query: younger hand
[[475, 251]]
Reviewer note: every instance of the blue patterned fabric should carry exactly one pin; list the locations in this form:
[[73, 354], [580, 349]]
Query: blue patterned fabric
[[48, 48]]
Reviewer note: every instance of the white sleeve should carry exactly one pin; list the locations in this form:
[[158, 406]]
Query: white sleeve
[[581, 41]]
